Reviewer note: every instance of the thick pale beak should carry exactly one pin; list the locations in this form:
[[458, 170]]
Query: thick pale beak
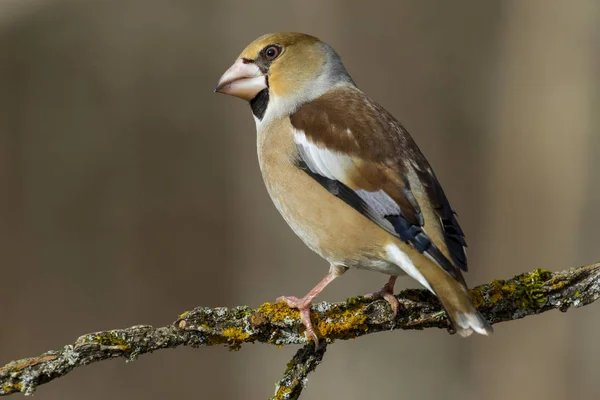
[[243, 79]]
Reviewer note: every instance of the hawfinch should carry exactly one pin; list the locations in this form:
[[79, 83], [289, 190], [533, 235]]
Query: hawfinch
[[347, 177]]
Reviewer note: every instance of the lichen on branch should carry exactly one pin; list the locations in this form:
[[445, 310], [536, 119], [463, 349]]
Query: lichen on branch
[[305, 361], [275, 323]]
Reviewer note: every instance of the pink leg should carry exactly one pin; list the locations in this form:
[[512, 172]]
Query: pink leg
[[387, 293], [303, 304]]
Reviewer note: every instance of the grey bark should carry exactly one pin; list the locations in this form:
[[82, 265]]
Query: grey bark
[[500, 300]]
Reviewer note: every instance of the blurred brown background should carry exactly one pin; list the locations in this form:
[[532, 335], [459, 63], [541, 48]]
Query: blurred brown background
[[130, 192]]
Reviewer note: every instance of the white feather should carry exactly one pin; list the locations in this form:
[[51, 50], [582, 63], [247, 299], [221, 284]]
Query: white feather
[[337, 163], [334, 165], [469, 323], [320, 160], [403, 261]]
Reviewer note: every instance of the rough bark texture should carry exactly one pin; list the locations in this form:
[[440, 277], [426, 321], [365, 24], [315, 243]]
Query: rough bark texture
[[501, 300], [305, 361]]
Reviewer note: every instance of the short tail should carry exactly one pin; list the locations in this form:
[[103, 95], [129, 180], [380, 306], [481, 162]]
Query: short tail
[[453, 293], [465, 323], [464, 316]]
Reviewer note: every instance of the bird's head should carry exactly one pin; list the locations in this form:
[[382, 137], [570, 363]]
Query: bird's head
[[285, 70]]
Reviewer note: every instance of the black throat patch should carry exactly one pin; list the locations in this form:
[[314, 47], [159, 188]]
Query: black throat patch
[[259, 103]]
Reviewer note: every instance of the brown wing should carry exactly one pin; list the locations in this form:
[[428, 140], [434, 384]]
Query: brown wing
[[361, 154]]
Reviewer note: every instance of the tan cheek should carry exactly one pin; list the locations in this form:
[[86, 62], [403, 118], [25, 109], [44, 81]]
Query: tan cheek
[[293, 72]]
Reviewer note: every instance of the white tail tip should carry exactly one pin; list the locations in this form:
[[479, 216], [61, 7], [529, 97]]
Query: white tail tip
[[466, 324]]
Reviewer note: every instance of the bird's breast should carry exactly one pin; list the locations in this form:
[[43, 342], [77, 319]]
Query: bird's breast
[[323, 222]]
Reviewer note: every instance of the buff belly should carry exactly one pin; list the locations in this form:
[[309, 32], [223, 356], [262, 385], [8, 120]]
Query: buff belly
[[325, 223]]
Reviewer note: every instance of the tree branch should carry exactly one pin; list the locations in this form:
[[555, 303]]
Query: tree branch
[[294, 378], [526, 294]]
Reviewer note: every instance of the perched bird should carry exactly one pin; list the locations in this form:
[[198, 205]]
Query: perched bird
[[347, 177]]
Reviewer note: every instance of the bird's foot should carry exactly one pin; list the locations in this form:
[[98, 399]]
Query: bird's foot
[[387, 293], [303, 306]]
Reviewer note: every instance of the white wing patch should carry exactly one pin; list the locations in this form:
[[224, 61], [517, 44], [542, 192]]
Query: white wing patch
[[322, 161], [337, 167], [333, 165]]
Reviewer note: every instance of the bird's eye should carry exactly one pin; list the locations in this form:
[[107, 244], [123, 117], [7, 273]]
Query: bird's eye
[[272, 52]]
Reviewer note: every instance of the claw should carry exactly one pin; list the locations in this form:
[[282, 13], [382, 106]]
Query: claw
[[303, 306], [387, 293]]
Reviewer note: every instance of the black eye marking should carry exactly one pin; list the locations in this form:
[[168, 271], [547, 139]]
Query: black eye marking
[[271, 52]]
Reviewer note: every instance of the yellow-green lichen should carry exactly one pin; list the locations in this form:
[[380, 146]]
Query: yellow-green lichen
[[235, 337], [557, 284], [235, 334], [338, 321], [539, 276], [493, 292], [341, 322], [240, 313], [183, 314], [205, 326], [12, 387], [278, 311], [109, 339], [360, 300], [283, 393], [477, 297], [525, 290], [530, 293]]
